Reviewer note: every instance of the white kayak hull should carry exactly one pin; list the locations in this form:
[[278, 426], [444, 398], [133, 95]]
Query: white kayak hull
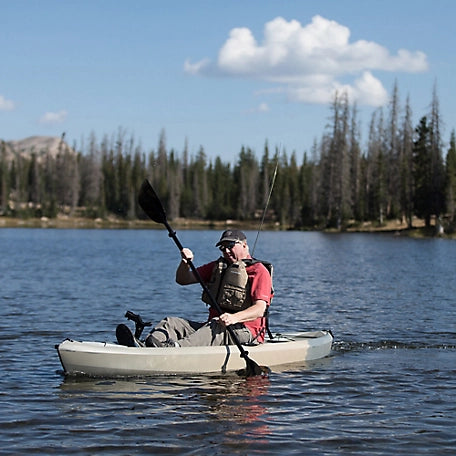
[[103, 359]]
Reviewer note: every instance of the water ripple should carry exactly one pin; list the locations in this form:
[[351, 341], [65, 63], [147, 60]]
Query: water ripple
[[389, 386]]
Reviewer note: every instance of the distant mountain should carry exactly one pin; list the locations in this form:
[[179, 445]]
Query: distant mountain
[[40, 145]]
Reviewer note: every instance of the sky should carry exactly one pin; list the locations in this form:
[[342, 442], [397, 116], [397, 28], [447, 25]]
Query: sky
[[218, 74]]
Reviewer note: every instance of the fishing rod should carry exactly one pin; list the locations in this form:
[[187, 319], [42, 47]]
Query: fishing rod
[[271, 187]]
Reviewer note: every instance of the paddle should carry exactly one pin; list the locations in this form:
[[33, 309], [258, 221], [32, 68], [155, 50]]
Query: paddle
[[152, 206]]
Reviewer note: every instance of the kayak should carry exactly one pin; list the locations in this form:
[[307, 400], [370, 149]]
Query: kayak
[[102, 359]]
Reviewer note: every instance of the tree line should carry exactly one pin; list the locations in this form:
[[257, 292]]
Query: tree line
[[401, 172]]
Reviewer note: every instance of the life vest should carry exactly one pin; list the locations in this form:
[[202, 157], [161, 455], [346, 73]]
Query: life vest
[[229, 284]]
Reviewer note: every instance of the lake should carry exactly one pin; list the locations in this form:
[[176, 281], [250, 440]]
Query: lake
[[388, 388]]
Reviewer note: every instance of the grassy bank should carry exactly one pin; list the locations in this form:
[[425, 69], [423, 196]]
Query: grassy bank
[[66, 222], [115, 223]]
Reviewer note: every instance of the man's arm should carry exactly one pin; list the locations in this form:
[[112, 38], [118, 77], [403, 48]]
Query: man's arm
[[253, 312], [184, 275]]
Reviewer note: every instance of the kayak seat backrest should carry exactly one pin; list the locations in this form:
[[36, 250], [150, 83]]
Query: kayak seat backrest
[[268, 266], [270, 269]]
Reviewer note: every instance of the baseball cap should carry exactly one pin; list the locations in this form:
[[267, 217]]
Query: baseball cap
[[231, 236]]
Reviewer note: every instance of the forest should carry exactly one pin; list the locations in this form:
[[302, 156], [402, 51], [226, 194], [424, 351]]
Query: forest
[[402, 171]]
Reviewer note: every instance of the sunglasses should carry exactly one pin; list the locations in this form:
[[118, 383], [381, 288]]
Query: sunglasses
[[228, 245]]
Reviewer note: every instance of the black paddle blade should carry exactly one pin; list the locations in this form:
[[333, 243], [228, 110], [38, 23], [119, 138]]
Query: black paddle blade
[[252, 369], [150, 203]]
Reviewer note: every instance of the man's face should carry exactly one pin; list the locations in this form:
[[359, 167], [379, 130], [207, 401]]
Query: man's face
[[233, 250]]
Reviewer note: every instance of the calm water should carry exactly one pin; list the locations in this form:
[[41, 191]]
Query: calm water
[[389, 387]]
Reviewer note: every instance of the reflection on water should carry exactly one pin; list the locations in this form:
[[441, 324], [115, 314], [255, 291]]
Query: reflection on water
[[228, 408]]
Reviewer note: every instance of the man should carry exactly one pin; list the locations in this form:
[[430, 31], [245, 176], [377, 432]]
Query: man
[[241, 286]]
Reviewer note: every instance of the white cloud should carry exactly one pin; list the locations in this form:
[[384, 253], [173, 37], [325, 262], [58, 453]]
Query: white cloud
[[369, 90], [6, 105], [308, 61], [195, 68], [53, 118], [262, 107]]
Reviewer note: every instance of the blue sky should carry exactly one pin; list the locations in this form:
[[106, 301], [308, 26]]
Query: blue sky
[[217, 74]]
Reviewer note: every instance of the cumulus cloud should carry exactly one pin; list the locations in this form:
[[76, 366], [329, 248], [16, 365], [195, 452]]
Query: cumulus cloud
[[6, 105], [308, 62], [53, 118]]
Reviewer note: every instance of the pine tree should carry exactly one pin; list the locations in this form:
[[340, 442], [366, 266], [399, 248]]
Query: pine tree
[[265, 175], [392, 155], [451, 179], [200, 193], [437, 165], [294, 210], [50, 208], [336, 165], [306, 184], [376, 185], [422, 172], [33, 184], [160, 170], [186, 205], [174, 185], [91, 179], [356, 196], [246, 180], [110, 191], [4, 179], [221, 184], [138, 173], [406, 166]]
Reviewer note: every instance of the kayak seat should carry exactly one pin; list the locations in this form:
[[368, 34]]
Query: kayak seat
[[125, 336]]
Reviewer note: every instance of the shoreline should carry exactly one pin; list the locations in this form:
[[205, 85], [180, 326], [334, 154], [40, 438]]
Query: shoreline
[[65, 222]]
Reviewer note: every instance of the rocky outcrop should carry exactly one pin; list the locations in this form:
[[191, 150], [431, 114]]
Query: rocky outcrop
[[38, 145]]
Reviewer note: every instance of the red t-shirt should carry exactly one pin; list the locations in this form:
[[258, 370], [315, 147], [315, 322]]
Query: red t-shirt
[[260, 286]]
